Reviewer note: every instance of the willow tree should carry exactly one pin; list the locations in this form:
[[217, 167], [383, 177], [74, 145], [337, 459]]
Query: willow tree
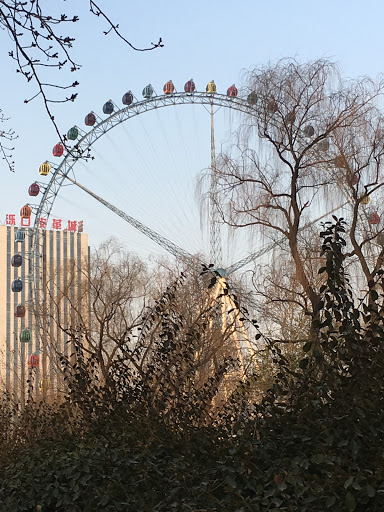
[[312, 144]]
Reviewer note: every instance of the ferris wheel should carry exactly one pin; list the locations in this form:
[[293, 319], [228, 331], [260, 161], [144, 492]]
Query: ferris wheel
[[74, 171], [63, 174], [76, 157], [73, 182]]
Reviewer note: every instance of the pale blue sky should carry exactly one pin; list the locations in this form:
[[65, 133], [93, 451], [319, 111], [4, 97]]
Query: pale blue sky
[[203, 40]]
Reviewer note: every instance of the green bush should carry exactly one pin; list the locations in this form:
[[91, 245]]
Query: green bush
[[152, 441]]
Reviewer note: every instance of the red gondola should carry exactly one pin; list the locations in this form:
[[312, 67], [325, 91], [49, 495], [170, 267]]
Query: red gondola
[[34, 189], [232, 91], [58, 150], [33, 361], [90, 119], [169, 88], [190, 86], [374, 218], [20, 311]]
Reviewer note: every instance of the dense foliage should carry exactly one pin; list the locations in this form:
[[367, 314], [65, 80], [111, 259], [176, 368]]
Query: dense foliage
[[152, 440]]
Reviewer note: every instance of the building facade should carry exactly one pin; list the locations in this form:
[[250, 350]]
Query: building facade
[[53, 291]]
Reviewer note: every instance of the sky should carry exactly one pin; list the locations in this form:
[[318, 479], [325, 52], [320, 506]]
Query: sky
[[150, 166]]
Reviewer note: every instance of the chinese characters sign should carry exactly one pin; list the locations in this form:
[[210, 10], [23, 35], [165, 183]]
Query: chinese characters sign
[[42, 223]]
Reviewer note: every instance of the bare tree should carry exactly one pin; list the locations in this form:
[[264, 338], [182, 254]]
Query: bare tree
[[119, 311], [6, 137], [38, 47], [100, 304], [312, 143]]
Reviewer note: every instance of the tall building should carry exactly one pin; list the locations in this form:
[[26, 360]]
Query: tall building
[[49, 285]]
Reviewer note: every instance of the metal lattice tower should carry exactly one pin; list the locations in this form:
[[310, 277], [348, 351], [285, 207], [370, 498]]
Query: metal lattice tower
[[214, 225]]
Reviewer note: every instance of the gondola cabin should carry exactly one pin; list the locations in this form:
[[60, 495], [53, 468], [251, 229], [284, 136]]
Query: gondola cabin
[[58, 150], [380, 239], [340, 162], [45, 384], [127, 98], [20, 311], [355, 179], [26, 211], [190, 86], [108, 107], [20, 235], [25, 336], [374, 218], [169, 88], [90, 119], [33, 361], [323, 145], [17, 285], [148, 91], [34, 189], [252, 98], [309, 131], [232, 91], [45, 169], [365, 200], [17, 260], [272, 107], [211, 87], [290, 117], [73, 133]]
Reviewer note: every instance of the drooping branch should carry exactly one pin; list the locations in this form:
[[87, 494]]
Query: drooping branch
[[313, 142]]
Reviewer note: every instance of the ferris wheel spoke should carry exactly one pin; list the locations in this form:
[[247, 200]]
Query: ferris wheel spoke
[[163, 242]]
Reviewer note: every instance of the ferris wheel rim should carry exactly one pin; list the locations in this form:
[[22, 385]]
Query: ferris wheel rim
[[104, 126], [72, 156]]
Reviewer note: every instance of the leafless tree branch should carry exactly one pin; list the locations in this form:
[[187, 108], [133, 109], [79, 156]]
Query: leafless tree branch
[[38, 46]]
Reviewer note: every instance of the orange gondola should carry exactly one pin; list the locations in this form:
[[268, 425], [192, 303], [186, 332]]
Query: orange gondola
[[169, 88], [26, 211]]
